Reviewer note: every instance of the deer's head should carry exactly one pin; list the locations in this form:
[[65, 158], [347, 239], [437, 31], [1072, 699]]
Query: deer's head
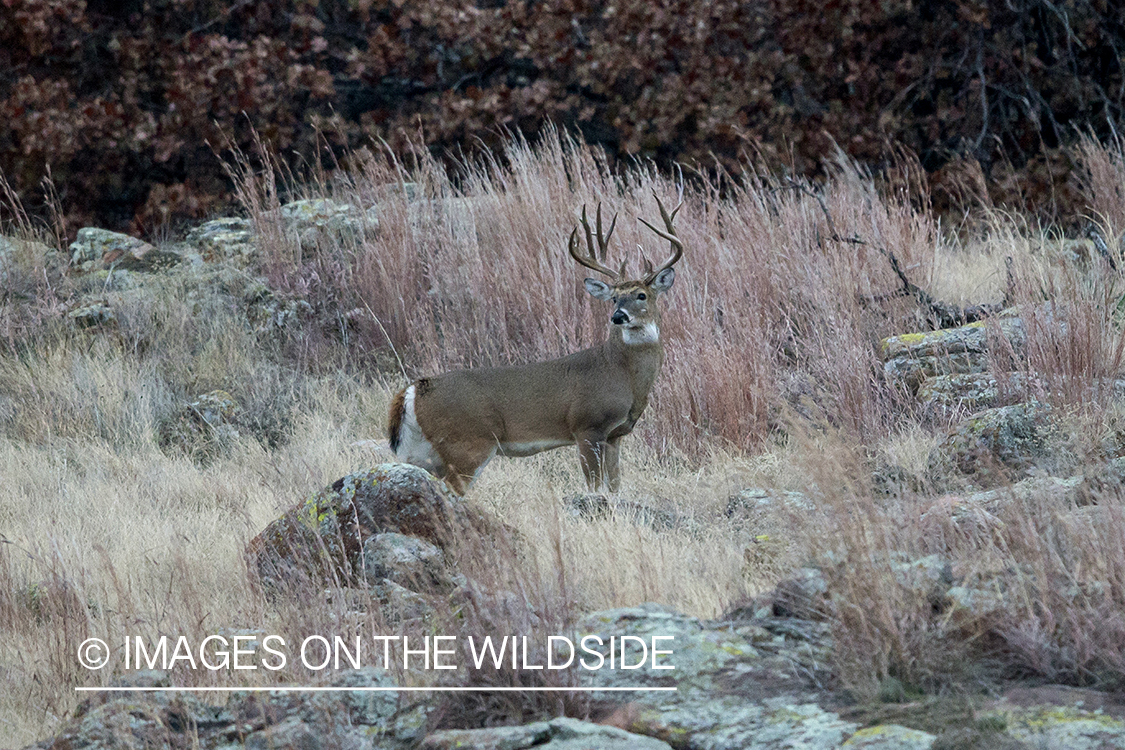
[[635, 308]]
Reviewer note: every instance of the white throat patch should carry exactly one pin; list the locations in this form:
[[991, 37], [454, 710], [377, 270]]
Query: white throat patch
[[646, 334]]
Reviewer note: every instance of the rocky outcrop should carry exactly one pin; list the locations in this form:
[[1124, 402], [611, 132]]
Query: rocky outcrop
[[751, 680], [97, 249], [557, 734], [229, 238], [911, 358], [306, 223], [1012, 437], [971, 392], [260, 720], [316, 220]]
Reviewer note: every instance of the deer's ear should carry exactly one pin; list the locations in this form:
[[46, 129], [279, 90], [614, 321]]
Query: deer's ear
[[599, 289], [663, 280]]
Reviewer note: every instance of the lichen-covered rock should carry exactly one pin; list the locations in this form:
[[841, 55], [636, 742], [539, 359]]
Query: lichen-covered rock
[[910, 358], [370, 717], [325, 535], [203, 429], [970, 391], [317, 220], [95, 249], [739, 684], [224, 239], [803, 595], [93, 315], [751, 505], [557, 734], [926, 578], [1015, 437], [889, 737], [1065, 727], [972, 604]]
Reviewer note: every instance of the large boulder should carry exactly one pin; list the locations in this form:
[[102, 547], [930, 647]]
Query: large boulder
[[399, 513]]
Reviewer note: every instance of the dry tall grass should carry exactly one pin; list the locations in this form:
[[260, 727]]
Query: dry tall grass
[[772, 379]]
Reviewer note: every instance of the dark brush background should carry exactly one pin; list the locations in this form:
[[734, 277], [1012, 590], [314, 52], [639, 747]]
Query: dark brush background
[[132, 104]]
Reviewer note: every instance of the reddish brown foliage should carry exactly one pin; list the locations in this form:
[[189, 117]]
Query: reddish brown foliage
[[122, 99]]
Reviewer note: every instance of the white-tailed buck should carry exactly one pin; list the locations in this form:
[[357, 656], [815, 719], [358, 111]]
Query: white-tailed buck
[[453, 424]]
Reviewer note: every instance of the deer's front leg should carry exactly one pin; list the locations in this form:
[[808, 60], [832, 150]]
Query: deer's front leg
[[612, 453], [594, 453]]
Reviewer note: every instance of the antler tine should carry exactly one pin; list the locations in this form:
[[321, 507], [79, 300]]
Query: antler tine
[[670, 235], [591, 260], [646, 264], [603, 240]]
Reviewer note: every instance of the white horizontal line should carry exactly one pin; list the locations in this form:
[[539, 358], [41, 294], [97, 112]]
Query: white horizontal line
[[294, 689]]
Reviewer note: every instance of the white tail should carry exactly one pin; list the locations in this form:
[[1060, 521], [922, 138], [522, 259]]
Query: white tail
[[453, 424]]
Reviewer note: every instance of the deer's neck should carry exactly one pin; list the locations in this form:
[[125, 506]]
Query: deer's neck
[[640, 352]]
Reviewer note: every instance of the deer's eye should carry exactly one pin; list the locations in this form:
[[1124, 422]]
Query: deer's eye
[[642, 295]]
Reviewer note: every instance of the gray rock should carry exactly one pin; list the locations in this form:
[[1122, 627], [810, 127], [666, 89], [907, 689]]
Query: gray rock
[[95, 249], [202, 429], [408, 561], [557, 734], [889, 737], [752, 504], [93, 314], [224, 239], [291, 734], [735, 686], [325, 535], [16, 253], [972, 604], [271, 311], [1070, 728], [1061, 493], [1014, 437], [315, 221], [970, 391], [593, 507], [927, 578]]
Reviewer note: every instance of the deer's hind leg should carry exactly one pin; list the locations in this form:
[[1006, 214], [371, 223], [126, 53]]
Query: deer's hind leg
[[463, 463]]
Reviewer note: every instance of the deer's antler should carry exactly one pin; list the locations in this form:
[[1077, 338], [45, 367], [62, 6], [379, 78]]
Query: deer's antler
[[670, 235], [595, 258]]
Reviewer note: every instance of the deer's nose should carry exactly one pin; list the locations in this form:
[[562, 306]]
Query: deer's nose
[[620, 317]]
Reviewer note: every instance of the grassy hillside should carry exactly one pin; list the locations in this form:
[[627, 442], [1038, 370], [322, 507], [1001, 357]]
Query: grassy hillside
[[119, 517]]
